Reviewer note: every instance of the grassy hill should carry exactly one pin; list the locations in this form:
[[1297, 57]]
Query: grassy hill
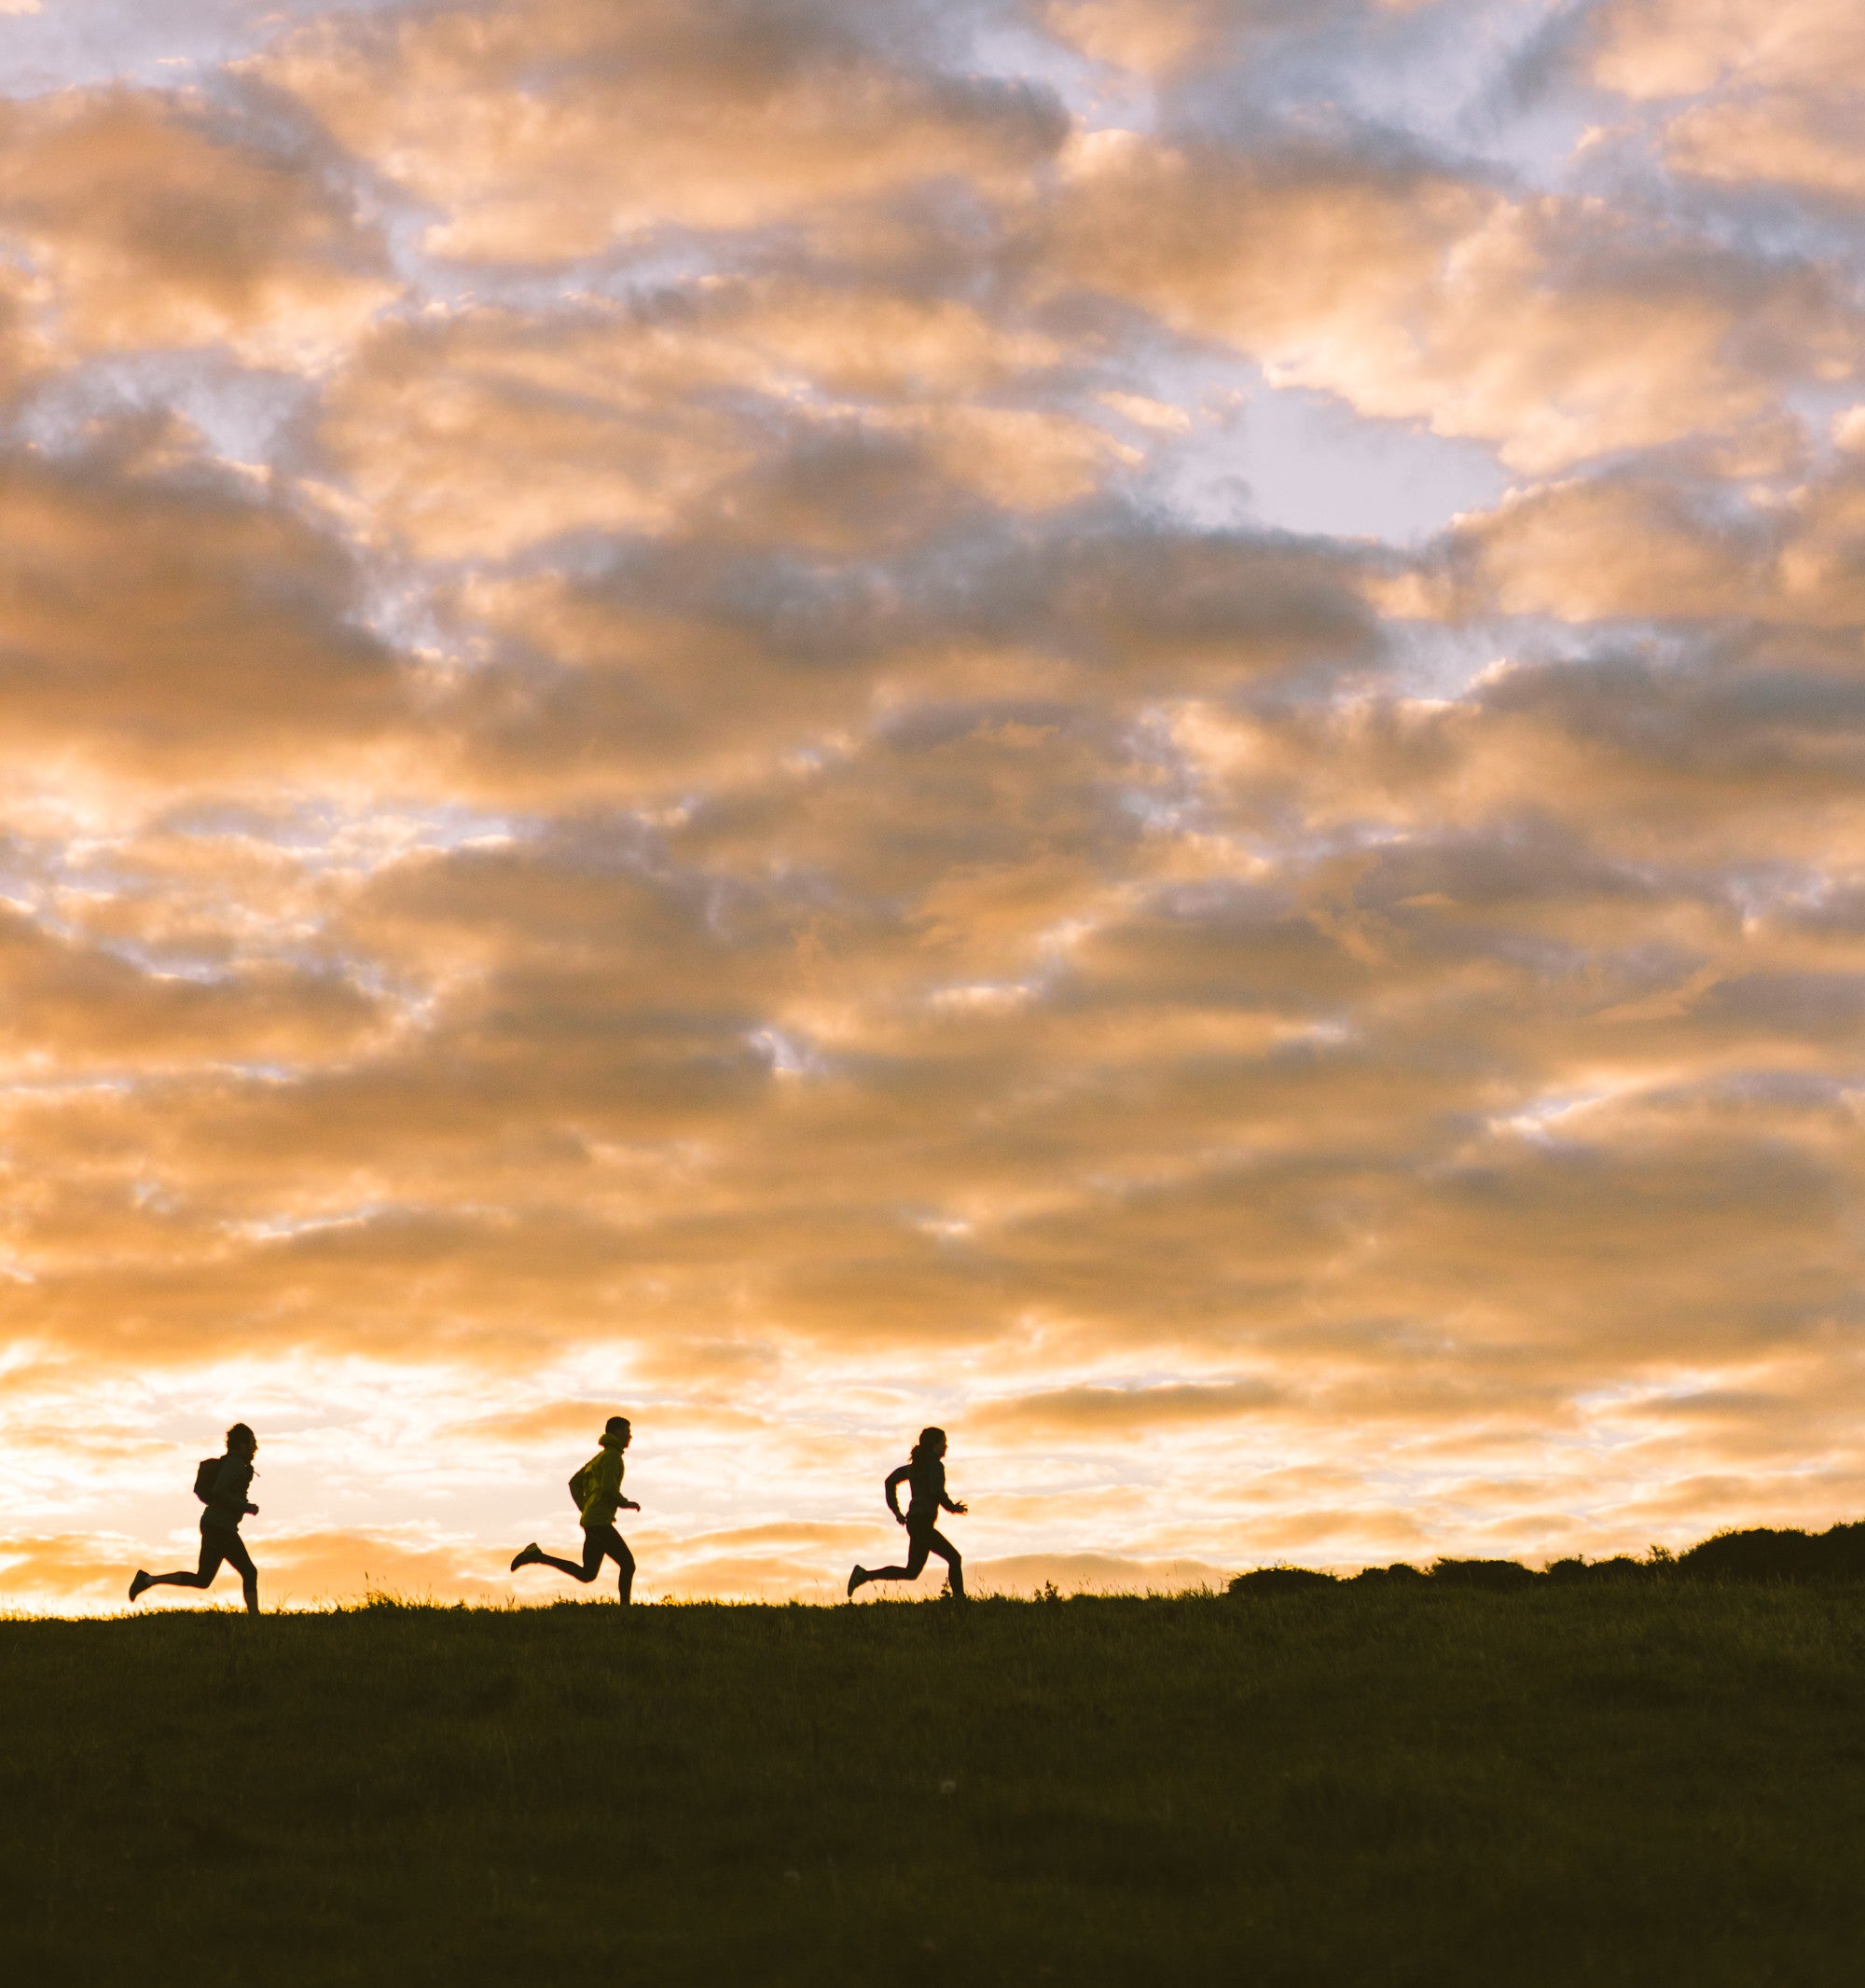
[[1378, 1782]]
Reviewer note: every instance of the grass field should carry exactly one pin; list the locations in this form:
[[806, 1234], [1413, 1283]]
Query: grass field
[[1651, 1784]]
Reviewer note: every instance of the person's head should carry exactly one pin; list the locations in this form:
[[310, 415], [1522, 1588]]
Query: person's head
[[931, 1442], [616, 1432], [241, 1441]]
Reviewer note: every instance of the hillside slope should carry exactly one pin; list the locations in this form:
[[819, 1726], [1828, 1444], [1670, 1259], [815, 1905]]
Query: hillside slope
[[1371, 1784]]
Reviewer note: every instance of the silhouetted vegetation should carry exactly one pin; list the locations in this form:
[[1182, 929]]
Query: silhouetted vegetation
[[1761, 1553], [1399, 1572], [1280, 1581], [1490, 1574], [1399, 1780]]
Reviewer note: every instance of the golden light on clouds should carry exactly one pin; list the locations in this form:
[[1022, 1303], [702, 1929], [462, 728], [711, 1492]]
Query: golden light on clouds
[[668, 748]]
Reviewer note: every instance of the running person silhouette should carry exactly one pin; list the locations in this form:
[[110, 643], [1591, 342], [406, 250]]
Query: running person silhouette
[[926, 1473], [222, 1485], [597, 1488]]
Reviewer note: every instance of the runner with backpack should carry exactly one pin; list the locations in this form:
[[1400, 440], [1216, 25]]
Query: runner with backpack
[[597, 1488], [926, 1474], [221, 1483]]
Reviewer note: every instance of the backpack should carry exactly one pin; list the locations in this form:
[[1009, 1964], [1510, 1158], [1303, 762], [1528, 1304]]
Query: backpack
[[581, 1486], [206, 1475]]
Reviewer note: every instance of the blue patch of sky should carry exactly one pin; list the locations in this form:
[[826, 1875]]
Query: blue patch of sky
[[164, 43], [1440, 660], [1293, 460], [1093, 95], [1312, 465], [1818, 403], [397, 605], [1473, 80], [241, 413], [313, 833], [634, 270]]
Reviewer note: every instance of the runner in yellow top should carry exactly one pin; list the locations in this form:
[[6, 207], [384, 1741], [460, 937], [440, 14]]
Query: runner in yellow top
[[597, 1488]]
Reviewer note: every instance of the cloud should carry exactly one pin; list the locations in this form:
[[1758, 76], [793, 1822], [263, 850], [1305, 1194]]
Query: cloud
[[100, 1008], [158, 224], [1765, 91], [504, 119], [686, 413], [1389, 282], [1668, 548], [1129, 33], [1612, 548], [159, 616], [760, 671], [1095, 1410]]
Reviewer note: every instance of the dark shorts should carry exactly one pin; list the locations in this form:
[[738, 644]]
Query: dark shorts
[[601, 1540], [223, 1543], [924, 1537]]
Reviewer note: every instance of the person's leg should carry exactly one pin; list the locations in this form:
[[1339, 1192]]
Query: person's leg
[[595, 1545], [955, 1565], [618, 1550], [234, 1551], [917, 1546], [213, 1552], [603, 1542]]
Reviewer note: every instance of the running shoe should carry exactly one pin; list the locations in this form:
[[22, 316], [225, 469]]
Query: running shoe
[[141, 1581], [856, 1579], [530, 1557]]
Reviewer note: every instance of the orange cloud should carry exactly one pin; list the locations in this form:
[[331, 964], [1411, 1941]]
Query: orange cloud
[[1392, 286], [1147, 36], [1770, 84], [1090, 1410], [156, 615], [504, 118], [158, 224], [645, 421]]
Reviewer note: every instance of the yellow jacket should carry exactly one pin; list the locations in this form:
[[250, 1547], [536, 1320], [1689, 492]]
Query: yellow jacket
[[597, 1486]]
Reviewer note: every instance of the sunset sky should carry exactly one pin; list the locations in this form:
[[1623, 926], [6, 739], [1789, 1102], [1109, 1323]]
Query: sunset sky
[[1136, 725]]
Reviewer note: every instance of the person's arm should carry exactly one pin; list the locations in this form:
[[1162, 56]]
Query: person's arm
[[946, 1500], [893, 1484]]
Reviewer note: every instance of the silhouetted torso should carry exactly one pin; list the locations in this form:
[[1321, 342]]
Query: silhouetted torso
[[227, 1506], [927, 1476]]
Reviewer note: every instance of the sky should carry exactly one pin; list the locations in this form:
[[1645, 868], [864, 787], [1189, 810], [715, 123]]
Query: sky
[[1134, 724]]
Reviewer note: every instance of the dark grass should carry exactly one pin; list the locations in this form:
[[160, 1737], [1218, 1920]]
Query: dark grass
[[1389, 1783]]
